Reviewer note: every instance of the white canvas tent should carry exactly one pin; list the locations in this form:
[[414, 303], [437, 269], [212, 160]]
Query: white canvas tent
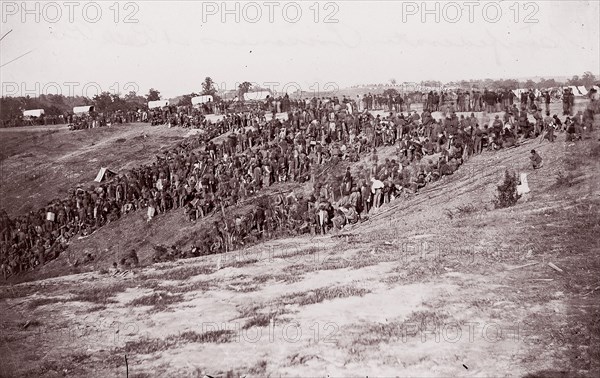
[[576, 91], [157, 104], [518, 92], [582, 90], [33, 113], [202, 99], [83, 109], [104, 174], [257, 96]]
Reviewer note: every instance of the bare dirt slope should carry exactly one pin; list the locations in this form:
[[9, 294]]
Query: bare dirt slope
[[438, 284]]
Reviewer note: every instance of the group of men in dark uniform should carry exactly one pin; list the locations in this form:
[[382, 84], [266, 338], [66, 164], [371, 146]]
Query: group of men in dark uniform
[[204, 178]]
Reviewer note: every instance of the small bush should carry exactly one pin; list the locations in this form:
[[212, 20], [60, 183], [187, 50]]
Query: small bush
[[322, 294], [466, 209], [100, 295], [29, 323], [507, 191], [180, 273], [259, 369], [462, 210], [563, 180], [44, 301], [242, 263], [259, 320], [449, 213], [159, 300], [147, 346], [573, 162], [218, 337]]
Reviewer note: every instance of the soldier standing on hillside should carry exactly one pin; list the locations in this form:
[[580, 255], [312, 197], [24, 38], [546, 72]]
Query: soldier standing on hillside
[[566, 102], [571, 101], [548, 128], [547, 100]]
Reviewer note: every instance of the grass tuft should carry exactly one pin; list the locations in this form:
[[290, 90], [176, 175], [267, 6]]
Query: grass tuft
[[323, 294], [158, 300]]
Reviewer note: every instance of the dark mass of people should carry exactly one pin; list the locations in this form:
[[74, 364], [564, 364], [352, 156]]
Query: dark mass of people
[[318, 143], [92, 119]]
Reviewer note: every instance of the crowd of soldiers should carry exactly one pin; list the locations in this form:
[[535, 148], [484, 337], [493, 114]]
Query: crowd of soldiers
[[491, 100], [204, 178], [182, 116], [33, 239], [44, 119], [427, 149], [192, 116], [92, 119], [79, 121]]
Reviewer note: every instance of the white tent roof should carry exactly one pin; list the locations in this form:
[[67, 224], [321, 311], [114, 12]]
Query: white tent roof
[[518, 92], [202, 99], [582, 90], [257, 96], [157, 104], [33, 112], [83, 109], [102, 172], [576, 90]]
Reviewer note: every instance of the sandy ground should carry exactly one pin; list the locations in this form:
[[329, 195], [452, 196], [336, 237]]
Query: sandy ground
[[437, 284]]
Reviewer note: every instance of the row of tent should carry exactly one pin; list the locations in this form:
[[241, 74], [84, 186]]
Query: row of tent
[[579, 91], [86, 109], [198, 100], [39, 112]]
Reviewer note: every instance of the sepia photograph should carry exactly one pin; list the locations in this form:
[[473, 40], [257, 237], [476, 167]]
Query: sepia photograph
[[236, 189]]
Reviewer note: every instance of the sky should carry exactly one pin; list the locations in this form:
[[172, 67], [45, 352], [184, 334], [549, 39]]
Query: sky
[[81, 48]]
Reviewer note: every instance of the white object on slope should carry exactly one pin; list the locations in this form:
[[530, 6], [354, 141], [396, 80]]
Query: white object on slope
[[523, 188]]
